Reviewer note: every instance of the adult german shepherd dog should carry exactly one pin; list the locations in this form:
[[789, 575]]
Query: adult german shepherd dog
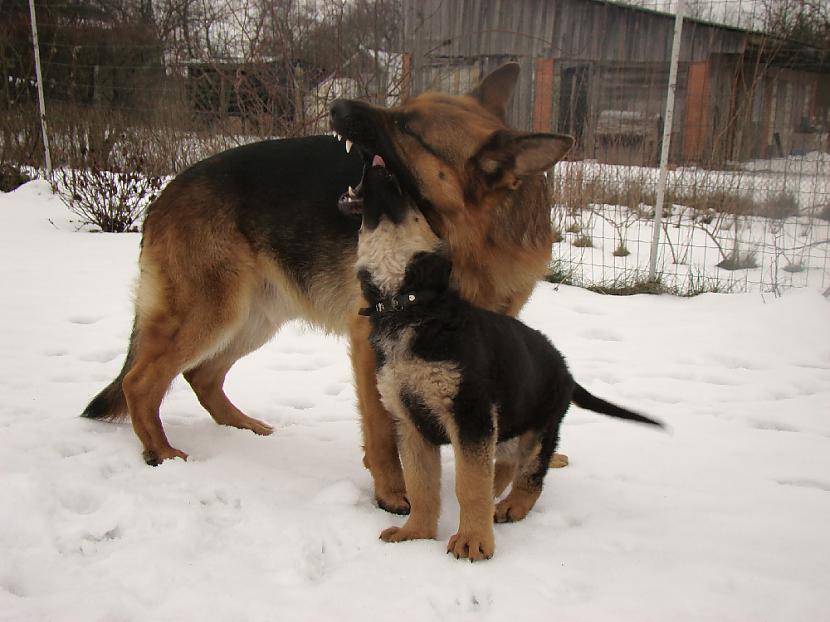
[[248, 239]]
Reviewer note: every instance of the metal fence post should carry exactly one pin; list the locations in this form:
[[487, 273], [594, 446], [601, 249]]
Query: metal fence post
[[668, 120], [39, 76]]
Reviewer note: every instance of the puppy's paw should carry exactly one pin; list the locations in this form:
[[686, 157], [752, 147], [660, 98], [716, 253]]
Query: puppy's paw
[[401, 534], [472, 546], [511, 510], [394, 502]]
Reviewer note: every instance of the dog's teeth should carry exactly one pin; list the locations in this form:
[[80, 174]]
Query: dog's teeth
[[352, 192], [348, 146]]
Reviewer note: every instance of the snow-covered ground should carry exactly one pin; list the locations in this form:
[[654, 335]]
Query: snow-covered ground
[[723, 518]]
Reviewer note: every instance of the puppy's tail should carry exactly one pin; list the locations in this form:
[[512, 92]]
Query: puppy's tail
[[582, 398], [110, 404]]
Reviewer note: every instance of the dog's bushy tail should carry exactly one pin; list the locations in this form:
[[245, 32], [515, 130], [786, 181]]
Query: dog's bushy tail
[[110, 404], [582, 398]]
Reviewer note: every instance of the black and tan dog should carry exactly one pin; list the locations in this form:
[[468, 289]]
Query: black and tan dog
[[251, 238], [450, 372]]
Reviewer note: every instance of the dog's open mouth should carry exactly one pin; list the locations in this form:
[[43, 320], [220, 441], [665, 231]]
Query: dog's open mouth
[[351, 201]]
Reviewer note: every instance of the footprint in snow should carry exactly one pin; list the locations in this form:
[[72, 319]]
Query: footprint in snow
[[100, 356], [79, 501], [601, 334], [773, 426], [335, 388], [805, 483], [69, 449], [64, 378], [300, 404], [344, 492], [84, 319]]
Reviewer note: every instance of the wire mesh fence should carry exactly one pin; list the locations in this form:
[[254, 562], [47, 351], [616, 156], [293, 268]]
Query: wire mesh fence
[[158, 84]]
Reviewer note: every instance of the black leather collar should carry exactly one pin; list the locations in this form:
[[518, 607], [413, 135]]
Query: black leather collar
[[393, 304]]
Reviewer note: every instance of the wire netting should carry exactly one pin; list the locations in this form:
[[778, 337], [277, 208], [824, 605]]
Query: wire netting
[[160, 84]]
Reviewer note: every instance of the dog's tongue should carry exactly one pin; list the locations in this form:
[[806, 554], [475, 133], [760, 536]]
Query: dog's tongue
[[378, 161]]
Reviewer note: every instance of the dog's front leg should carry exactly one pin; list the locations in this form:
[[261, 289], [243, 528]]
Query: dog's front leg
[[422, 473], [380, 448], [474, 489]]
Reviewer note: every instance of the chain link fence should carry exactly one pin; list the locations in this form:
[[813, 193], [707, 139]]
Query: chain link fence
[[743, 169]]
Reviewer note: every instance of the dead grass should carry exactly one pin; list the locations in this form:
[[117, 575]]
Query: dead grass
[[578, 191], [583, 241], [562, 273]]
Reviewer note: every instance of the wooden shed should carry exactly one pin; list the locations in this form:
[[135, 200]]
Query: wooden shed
[[588, 64]]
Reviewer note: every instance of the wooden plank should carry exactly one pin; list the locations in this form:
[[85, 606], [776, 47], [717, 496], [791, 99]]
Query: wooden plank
[[543, 95], [697, 108]]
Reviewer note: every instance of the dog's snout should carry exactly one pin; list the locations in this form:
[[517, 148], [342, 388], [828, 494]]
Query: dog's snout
[[339, 110], [356, 121]]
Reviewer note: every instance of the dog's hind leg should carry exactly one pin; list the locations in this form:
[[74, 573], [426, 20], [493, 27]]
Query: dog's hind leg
[[505, 467], [168, 345], [380, 449], [505, 471], [186, 313], [156, 364], [534, 453], [207, 378], [512, 308]]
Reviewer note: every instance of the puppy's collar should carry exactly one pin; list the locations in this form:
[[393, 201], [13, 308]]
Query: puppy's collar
[[393, 304]]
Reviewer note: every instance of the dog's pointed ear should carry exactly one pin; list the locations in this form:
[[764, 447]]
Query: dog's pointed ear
[[494, 91], [510, 156]]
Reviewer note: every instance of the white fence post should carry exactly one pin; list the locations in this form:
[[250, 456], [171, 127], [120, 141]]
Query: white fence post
[[668, 120], [39, 76]]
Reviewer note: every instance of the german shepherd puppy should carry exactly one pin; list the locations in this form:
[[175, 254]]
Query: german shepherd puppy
[[250, 238], [451, 372]]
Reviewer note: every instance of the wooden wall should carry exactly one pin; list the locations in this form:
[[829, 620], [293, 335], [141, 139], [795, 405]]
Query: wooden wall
[[624, 51]]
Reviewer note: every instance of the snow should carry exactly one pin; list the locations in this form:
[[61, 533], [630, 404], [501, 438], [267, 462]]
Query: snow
[[724, 517]]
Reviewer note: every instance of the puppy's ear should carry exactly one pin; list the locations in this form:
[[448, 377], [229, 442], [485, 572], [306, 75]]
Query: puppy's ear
[[510, 156]]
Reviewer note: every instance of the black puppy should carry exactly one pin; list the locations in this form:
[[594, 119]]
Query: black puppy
[[450, 372]]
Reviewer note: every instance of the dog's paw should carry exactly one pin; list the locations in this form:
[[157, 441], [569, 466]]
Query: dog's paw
[[395, 503], [261, 428], [401, 534], [155, 457], [557, 461], [472, 546], [511, 510]]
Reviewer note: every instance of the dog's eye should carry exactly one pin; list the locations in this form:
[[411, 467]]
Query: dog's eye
[[403, 124]]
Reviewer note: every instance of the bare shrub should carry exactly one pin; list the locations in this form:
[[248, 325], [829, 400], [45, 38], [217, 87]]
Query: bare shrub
[[707, 201], [113, 200], [621, 251], [778, 206], [739, 261]]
